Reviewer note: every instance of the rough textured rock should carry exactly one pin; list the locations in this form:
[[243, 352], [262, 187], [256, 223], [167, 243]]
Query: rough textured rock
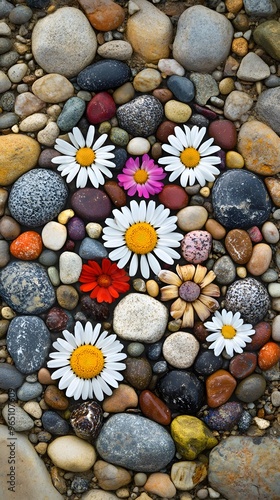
[[267, 36], [268, 108]]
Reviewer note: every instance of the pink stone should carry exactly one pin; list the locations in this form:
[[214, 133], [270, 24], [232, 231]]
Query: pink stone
[[255, 234], [100, 108], [196, 246]]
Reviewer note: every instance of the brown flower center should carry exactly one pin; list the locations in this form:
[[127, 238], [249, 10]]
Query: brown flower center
[[104, 280]]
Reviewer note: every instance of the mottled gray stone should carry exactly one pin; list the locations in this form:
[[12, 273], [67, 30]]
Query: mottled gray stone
[[267, 36], [252, 68], [225, 271], [29, 391], [141, 116], [250, 298], [268, 108], [251, 388], [8, 119], [260, 9], [10, 377], [205, 87], [91, 249], [71, 113], [17, 418], [135, 442]]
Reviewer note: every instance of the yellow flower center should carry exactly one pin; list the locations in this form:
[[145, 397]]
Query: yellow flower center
[[190, 157], [85, 157], [104, 280], [228, 332], [87, 361], [140, 176], [141, 238]]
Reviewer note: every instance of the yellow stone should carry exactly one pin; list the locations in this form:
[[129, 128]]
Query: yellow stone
[[226, 86], [19, 154], [241, 272], [152, 288], [234, 160], [191, 436], [65, 216], [177, 111]]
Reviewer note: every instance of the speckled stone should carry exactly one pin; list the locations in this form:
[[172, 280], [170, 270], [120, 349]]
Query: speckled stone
[[180, 349], [225, 417], [182, 391], [71, 113], [21, 421], [250, 298], [138, 372], [29, 391], [91, 204], [121, 435], [37, 197], [26, 288], [207, 363], [141, 116], [28, 341], [196, 246], [239, 245], [240, 199], [91, 249], [103, 75], [205, 87]]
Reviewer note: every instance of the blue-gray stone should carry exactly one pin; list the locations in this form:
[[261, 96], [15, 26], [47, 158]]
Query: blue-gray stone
[[250, 298], [103, 75], [10, 377], [28, 342], [141, 116], [260, 9], [199, 120], [5, 45], [154, 351], [135, 442], [240, 199], [54, 423], [48, 258], [71, 113], [268, 108], [9, 58], [20, 14], [5, 8], [225, 417], [7, 120], [182, 88], [120, 157], [37, 197], [91, 249], [207, 363], [29, 391], [38, 4], [272, 81], [26, 288]]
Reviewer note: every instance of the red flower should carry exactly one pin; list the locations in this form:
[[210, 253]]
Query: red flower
[[105, 282]]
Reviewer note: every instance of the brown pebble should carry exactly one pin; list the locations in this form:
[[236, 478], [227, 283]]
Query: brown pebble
[[200, 331], [163, 95], [273, 187], [44, 377], [67, 297], [116, 193], [55, 398], [153, 408], [216, 229], [138, 372], [239, 245], [156, 151], [242, 365], [261, 336], [3, 200], [9, 228], [123, 397], [260, 259], [234, 6], [240, 46], [165, 129], [103, 15], [219, 388]]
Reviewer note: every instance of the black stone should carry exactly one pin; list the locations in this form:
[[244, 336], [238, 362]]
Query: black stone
[[240, 199], [141, 116], [54, 423], [154, 351], [104, 75], [207, 363], [38, 4], [120, 157], [182, 88], [244, 421], [225, 417], [182, 391]]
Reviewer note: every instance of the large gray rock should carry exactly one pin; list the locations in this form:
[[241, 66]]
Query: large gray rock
[[64, 42], [244, 467], [203, 39], [268, 108]]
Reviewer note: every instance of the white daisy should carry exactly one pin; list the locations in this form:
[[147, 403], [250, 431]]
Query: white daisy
[[229, 332], [87, 362], [84, 159], [145, 233], [189, 160]]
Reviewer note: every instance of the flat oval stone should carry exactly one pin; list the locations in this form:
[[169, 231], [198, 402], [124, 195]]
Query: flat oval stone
[[260, 259], [219, 388], [182, 88], [269, 355], [240, 199], [196, 246], [181, 391], [19, 154], [70, 267], [72, 453], [141, 116], [153, 408], [54, 423], [116, 193], [165, 129], [121, 435], [101, 108], [22, 421], [251, 388], [10, 377], [104, 75], [224, 133], [242, 365], [180, 349], [71, 113], [225, 417], [192, 218], [26, 288], [91, 204], [55, 398], [250, 298], [239, 245], [28, 341], [138, 372], [261, 336], [173, 197], [37, 197], [29, 391]]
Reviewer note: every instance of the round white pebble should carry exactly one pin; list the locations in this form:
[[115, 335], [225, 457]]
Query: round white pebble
[[180, 349], [138, 146], [54, 235], [270, 233]]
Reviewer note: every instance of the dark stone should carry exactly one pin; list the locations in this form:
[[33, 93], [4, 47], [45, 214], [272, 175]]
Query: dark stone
[[207, 363], [240, 200], [138, 372], [76, 228], [86, 420], [251, 388], [245, 421], [250, 298], [182, 88], [56, 319], [54, 423], [71, 113], [45, 158], [154, 351], [91, 249], [225, 417], [120, 158], [48, 258], [91, 204], [182, 391], [141, 116], [10, 377], [38, 4], [199, 120], [79, 484], [91, 308], [104, 75]]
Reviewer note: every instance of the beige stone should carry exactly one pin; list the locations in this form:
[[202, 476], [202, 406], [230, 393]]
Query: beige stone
[[99, 495], [260, 259], [72, 453], [122, 398], [177, 111], [147, 80], [192, 218], [187, 474], [215, 229], [19, 154], [110, 477], [160, 484], [273, 187], [53, 88]]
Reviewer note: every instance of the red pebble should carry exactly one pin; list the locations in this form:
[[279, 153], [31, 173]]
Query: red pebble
[[269, 355], [173, 197], [100, 108], [242, 365], [27, 246], [224, 133], [153, 408], [260, 338], [255, 234], [165, 129]]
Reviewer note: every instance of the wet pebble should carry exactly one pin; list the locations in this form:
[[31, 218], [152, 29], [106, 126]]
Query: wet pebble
[[153, 408], [207, 363], [225, 417], [86, 420], [182, 88], [100, 108], [242, 365], [71, 113], [219, 388], [268, 356], [239, 245], [251, 388], [55, 398], [104, 75], [181, 391]]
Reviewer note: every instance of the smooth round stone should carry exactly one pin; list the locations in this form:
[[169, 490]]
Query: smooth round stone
[[121, 435], [26, 288], [28, 341], [225, 417], [103, 75], [97, 494], [160, 367], [260, 259], [153, 408], [91, 249], [251, 388], [21, 420], [109, 476], [8, 59], [9, 228], [37, 197], [123, 397], [192, 218], [269, 276], [182, 88], [165, 129], [269, 356], [67, 297], [216, 229], [224, 133], [71, 113], [104, 15], [10, 377], [119, 136], [252, 68], [20, 14], [56, 319], [261, 336], [219, 388], [250, 298], [196, 246], [163, 95], [70, 267], [7, 101], [33, 408], [147, 80], [267, 36], [76, 229], [186, 475], [72, 453], [29, 391], [239, 245], [276, 328], [225, 270], [274, 290], [116, 193], [177, 111], [124, 93], [55, 398], [5, 82], [242, 365], [154, 351], [101, 108], [17, 72], [8, 120], [180, 349], [135, 349], [91, 204], [138, 372], [160, 484], [68, 39], [270, 233], [54, 235], [54, 423], [138, 146], [207, 363], [4, 253], [170, 67], [234, 160], [20, 154], [140, 318], [240, 199], [115, 49], [53, 88], [27, 246], [181, 391], [141, 116], [33, 123], [173, 197], [48, 258]]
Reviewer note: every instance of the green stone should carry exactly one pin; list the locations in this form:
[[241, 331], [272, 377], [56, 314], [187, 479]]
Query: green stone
[[119, 137], [267, 35]]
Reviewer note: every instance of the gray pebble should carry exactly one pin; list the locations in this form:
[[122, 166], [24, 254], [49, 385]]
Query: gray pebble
[[10, 377], [272, 81], [5, 8], [141, 116], [72, 112], [20, 14], [7, 101], [225, 271], [21, 421], [5, 45], [160, 367], [54, 423], [91, 249], [205, 87], [135, 349], [48, 258], [268, 108], [260, 9], [269, 276], [4, 253], [275, 398], [8, 59], [29, 391], [7, 120], [250, 298]]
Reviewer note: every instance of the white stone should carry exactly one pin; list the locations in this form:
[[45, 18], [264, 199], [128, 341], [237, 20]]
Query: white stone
[[32, 477], [70, 267], [33, 123], [180, 349], [270, 232], [138, 146], [21, 421], [116, 49], [237, 104], [94, 230], [252, 68], [33, 408], [187, 474], [72, 453], [48, 135], [53, 88], [170, 67], [17, 72], [54, 235], [274, 290], [64, 42], [99, 495], [192, 218], [275, 333], [140, 318]]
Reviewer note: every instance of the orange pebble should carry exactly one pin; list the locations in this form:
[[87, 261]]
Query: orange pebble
[[27, 246], [269, 355]]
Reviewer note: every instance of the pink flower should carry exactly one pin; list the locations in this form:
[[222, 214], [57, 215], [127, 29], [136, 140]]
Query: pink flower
[[144, 178]]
